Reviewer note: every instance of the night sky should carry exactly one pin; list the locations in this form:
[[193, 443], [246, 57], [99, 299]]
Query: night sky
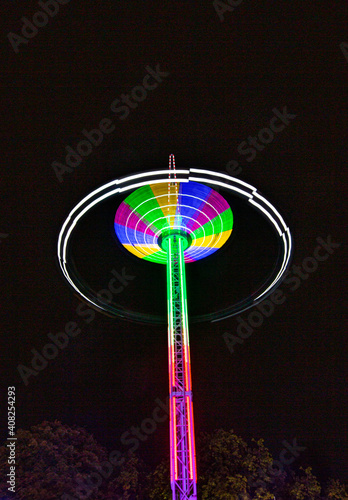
[[224, 79]]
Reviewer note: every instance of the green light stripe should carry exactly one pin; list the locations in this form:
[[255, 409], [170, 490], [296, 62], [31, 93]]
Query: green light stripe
[[159, 257], [142, 201], [220, 223]]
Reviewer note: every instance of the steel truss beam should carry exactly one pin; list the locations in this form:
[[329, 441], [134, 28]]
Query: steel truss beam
[[182, 441]]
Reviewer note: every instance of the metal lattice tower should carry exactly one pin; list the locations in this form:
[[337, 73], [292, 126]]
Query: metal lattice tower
[[182, 441], [173, 224]]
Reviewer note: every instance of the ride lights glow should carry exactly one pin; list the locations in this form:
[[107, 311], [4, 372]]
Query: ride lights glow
[[228, 183], [176, 220]]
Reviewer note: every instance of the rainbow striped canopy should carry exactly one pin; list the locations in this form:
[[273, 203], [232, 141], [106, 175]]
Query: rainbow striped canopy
[[156, 209]]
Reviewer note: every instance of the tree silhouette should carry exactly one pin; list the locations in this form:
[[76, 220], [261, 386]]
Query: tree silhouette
[[231, 469], [55, 461], [131, 482]]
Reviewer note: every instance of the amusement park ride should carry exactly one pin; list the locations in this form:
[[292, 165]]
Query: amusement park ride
[[174, 217]]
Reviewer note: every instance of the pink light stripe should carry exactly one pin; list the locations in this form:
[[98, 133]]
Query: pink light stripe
[[134, 220]]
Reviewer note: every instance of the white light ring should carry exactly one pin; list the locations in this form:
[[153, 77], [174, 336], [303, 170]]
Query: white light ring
[[243, 305]]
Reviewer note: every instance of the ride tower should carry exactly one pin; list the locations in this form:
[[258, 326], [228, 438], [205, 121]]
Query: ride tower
[[174, 224]]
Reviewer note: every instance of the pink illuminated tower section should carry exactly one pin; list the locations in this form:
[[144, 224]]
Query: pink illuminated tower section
[[176, 223]]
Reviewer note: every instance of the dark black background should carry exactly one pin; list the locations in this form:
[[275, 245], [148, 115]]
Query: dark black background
[[288, 379]]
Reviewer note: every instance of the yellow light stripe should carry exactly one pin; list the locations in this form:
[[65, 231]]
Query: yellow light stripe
[[161, 194], [211, 241], [142, 250]]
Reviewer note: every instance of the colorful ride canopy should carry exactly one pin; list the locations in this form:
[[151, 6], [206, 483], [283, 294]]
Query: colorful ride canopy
[[156, 210], [160, 209]]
